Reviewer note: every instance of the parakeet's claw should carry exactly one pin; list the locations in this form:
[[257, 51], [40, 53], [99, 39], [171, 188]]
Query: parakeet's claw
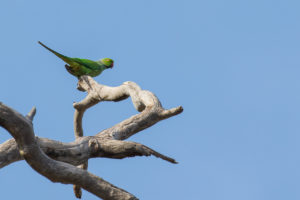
[[69, 69]]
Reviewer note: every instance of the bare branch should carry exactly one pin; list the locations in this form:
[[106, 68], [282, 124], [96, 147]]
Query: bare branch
[[78, 152], [106, 143], [31, 114], [9, 153], [123, 149], [19, 127], [144, 101], [78, 130]]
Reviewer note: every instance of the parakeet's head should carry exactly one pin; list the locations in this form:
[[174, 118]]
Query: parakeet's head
[[109, 63]]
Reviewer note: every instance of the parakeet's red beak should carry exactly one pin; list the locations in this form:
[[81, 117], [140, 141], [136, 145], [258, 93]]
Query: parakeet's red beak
[[112, 65]]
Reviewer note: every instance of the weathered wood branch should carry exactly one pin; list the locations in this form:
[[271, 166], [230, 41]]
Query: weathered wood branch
[[144, 101], [78, 132], [56, 160], [21, 130], [79, 151]]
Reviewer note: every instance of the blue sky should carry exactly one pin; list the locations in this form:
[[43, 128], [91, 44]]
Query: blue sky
[[233, 65]]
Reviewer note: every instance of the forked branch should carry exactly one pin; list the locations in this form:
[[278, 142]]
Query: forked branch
[[144, 101], [55, 160], [21, 129]]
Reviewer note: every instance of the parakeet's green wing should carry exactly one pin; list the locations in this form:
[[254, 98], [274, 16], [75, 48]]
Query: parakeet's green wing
[[92, 65], [89, 67]]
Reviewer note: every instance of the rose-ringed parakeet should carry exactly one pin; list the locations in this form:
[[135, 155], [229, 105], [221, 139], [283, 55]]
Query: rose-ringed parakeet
[[79, 67]]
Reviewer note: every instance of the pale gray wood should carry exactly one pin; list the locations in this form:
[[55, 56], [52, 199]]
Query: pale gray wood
[[22, 131], [79, 151], [144, 101], [55, 160]]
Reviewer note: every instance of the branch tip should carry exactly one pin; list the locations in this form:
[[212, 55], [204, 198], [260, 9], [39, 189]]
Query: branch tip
[[31, 114]]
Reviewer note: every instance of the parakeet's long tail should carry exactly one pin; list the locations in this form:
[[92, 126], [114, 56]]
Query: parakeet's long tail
[[64, 58]]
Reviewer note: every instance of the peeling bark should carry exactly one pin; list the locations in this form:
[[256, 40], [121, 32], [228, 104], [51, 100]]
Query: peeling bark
[[57, 160]]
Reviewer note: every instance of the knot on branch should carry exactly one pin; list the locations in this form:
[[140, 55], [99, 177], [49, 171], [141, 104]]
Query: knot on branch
[[94, 146], [28, 150], [23, 152]]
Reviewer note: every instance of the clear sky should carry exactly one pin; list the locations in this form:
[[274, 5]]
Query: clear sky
[[233, 65]]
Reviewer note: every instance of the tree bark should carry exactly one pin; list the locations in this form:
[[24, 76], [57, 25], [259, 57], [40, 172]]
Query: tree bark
[[57, 160]]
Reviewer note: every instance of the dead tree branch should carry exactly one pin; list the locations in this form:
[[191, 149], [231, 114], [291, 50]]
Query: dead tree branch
[[57, 160], [21, 130]]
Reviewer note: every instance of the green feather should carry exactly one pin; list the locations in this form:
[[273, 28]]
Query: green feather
[[79, 66]]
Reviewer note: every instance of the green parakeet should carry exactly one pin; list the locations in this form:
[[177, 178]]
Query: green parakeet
[[79, 67]]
